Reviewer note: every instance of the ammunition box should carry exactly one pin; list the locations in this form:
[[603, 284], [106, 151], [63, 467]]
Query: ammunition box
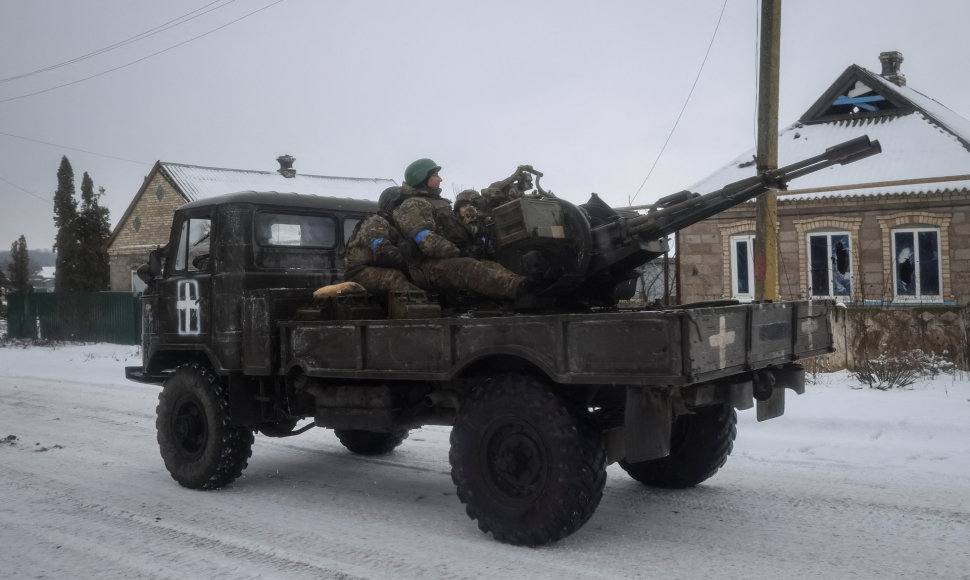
[[526, 219]]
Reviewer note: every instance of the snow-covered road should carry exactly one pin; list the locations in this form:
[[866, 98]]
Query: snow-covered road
[[849, 483]]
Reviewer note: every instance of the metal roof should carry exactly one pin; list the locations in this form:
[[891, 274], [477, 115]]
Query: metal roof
[[287, 200], [197, 182]]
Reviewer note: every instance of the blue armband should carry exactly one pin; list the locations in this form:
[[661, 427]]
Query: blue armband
[[376, 242], [421, 235]]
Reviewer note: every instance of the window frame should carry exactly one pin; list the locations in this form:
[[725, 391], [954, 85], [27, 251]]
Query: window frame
[[918, 296], [829, 234], [732, 244]]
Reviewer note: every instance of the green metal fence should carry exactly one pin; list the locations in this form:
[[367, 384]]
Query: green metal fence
[[113, 317]]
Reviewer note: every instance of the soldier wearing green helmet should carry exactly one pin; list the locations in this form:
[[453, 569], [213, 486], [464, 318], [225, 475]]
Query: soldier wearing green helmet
[[443, 241], [418, 172]]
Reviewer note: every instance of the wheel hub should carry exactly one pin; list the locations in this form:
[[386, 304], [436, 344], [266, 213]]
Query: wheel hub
[[189, 427], [515, 461]]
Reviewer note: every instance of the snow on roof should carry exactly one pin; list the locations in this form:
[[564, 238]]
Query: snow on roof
[[928, 145], [204, 182]]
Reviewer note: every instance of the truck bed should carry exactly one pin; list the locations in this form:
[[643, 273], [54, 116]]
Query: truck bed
[[633, 347]]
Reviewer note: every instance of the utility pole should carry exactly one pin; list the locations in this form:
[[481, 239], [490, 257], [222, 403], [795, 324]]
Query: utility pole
[[766, 240]]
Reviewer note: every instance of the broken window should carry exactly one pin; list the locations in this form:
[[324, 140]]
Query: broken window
[[916, 264], [830, 264]]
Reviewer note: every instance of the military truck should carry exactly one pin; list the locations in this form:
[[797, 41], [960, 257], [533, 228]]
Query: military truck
[[542, 393]]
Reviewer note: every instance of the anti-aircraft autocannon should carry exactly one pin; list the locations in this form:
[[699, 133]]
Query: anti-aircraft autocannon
[[586, 255]]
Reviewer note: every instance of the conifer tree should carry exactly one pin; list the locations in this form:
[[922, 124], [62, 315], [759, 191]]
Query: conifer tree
[[65, 218], [93, 230], [19, 266]]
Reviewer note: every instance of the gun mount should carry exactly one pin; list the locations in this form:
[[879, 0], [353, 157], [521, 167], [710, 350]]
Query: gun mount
[[588, 254]]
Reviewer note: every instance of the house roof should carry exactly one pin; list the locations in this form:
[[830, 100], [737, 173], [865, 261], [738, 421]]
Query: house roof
[[196, 182], [925, 145]]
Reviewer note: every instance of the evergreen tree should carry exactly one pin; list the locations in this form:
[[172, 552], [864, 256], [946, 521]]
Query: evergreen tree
[[93, 230], [20, 266], [65, 218]]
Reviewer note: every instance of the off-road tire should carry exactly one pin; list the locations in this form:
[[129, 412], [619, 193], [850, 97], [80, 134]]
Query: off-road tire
[[370, 442], [528, 465], [700, 444], [197, 442]]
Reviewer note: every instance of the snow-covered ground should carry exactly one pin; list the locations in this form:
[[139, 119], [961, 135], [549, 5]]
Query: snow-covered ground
[[850, 483]]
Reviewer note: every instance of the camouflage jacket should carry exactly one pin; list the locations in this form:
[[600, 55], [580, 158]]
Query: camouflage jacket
[[375, 242], [426, 218]]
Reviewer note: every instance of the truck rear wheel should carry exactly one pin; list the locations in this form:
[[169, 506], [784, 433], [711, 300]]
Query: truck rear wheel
[[700, 444], [528, 465], [370, 442], [200, 448]]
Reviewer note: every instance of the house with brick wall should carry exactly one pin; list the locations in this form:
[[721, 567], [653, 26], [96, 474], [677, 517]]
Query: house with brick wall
[[146, 223], [888, 236]]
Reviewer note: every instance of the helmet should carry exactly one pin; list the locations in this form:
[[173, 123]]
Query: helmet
[[466, 197], [469, 195], [388, 197], [419, 171]]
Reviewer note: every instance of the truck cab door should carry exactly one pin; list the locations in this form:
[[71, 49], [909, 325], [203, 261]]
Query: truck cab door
[[186, 287]]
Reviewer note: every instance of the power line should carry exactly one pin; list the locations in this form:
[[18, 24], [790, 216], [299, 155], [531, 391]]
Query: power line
[[8, 182], [682, 109], [102, 73], [74, 149], [150, 32]]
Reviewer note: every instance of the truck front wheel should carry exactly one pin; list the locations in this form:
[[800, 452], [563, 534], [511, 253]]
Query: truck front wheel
[[700, 444], [200, 448], [370, 442], [528, 465]]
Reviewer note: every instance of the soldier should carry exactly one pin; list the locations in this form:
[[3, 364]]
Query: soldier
[[469, 209], [443, 241], [374, 257]]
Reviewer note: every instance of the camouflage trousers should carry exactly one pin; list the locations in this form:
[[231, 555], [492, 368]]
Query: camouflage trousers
[[382, 280], [482, 276]]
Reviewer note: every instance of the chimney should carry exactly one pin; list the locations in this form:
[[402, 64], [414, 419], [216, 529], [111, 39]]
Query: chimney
[[890, 67], [286, 166]]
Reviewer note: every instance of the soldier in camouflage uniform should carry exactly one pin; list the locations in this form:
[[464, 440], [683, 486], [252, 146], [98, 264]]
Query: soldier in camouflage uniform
[[444, 243], [374, 257], [469, 209]]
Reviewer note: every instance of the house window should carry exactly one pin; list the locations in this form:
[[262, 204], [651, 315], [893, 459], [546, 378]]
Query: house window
[[742, 267], [830, 264], [916, 264]]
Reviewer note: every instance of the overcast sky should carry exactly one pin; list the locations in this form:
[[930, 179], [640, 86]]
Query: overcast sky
[[587, 92]]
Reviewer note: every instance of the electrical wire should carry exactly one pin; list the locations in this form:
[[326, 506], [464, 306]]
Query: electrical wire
[[689, 95], [150, 32], [102, 73], [8, 182], [74, 149]]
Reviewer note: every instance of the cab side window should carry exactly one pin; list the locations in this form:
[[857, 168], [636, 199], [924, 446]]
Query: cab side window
[[192, 254]]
